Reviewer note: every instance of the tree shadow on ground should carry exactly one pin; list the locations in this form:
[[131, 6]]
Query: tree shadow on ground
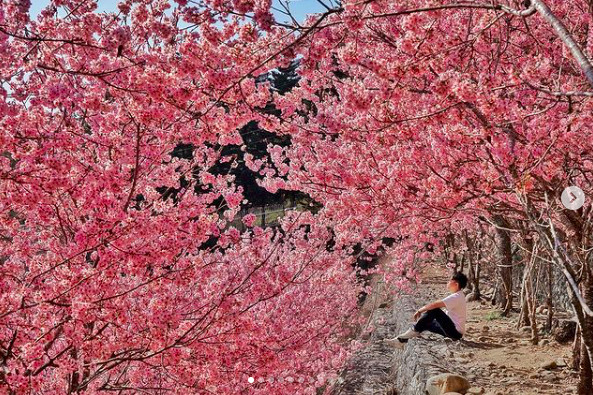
[[474, 344], [466, 344]]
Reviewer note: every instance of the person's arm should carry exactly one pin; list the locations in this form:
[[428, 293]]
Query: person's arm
[[434, 305]]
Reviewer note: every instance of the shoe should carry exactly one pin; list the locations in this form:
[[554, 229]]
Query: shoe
[[395, 342], [409, 334]]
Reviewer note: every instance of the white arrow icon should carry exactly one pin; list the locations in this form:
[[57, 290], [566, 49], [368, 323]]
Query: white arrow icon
[[573, 197]]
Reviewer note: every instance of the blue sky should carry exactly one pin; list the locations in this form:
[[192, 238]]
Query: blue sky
[[299, 8]]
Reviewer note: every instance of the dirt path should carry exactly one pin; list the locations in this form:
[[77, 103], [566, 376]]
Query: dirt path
[[503, 360]]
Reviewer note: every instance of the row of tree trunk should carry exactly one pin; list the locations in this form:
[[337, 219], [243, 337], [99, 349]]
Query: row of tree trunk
[[543, 253]]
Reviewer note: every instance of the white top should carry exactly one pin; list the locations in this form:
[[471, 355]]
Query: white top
[[457, 310]]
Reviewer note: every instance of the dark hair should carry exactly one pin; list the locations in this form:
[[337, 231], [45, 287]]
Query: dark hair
[[460, 278]]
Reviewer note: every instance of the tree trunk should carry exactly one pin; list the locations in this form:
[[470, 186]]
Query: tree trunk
[[504, 296], [524, 316], [529, 302], [576, 349], [477, 270], [524, 319], [550, 301], [477, 279], [470, 274], [583, 344], [532, 304], [473, 268], [585, 385]]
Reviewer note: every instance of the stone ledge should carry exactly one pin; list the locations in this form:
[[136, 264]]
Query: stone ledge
[[379, 369], [421, 358]]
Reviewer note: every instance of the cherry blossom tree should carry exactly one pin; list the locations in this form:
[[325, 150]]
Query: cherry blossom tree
[[412, 120], [105, 285], [431, 118]]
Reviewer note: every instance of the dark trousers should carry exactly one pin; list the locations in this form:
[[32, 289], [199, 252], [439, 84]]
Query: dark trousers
[[437, 321]]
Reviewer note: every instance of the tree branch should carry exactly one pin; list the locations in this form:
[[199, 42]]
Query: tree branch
[[543, 9], [136, 169]]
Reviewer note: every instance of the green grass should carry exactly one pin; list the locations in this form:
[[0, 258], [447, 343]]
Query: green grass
[[493, 315]]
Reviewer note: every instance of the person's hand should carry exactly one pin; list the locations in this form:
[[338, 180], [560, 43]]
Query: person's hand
[[417, 315]]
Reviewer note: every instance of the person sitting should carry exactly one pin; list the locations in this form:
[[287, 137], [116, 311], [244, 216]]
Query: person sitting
[[449, 323]]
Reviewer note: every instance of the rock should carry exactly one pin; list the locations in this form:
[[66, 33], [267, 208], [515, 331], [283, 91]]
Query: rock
[[549, 365], [475, 391], [547, 375], [512, 382], [446, 382], [565, 331], [560, 363]]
